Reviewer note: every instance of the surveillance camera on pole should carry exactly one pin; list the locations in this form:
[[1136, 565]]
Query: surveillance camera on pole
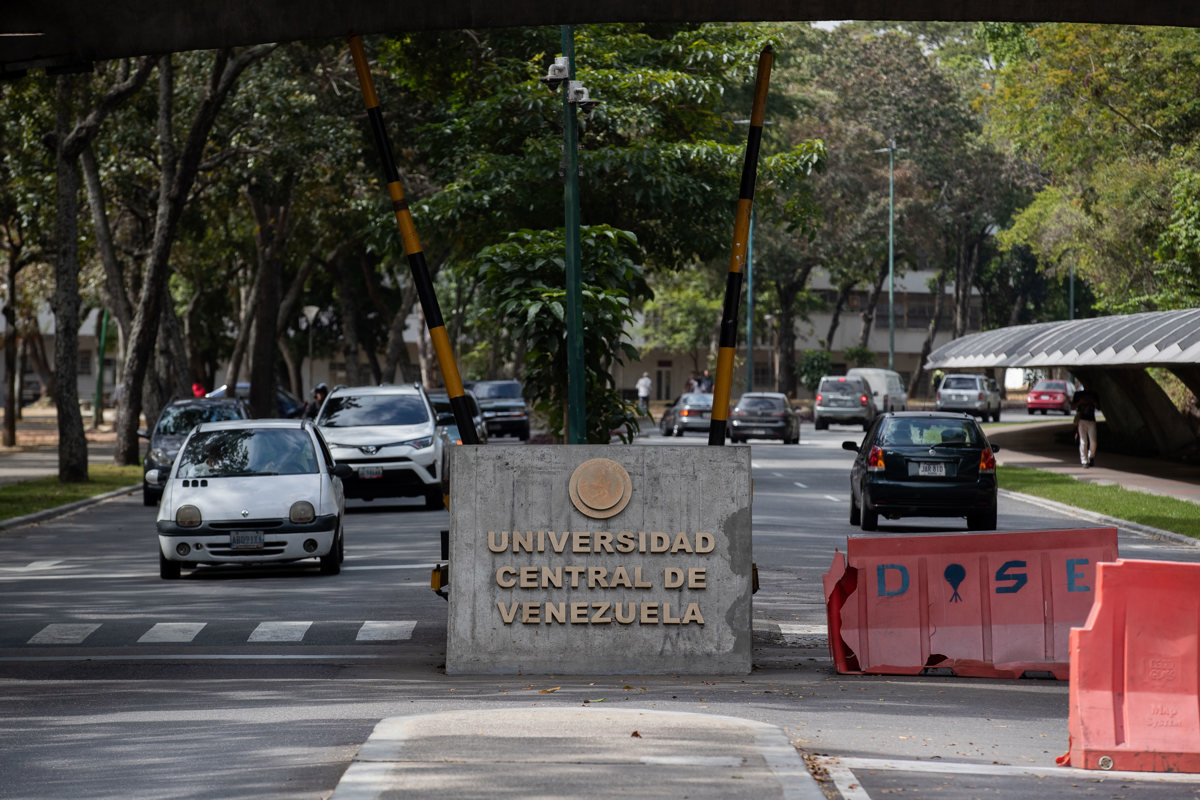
[[559, 72], [578, 94]]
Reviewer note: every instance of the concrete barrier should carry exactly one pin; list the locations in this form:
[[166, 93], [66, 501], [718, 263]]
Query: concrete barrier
[[995, 605], [1135, 672], [600, 559]]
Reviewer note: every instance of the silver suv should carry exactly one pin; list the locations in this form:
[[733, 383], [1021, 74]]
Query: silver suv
[[844, 400], [974, 394], [388, 435]]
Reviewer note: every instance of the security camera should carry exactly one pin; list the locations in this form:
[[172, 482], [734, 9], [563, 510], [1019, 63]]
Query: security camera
[[587, 106], [558, 72], [577, 93]]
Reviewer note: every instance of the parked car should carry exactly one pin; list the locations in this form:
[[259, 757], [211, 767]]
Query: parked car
[[388, 435], [504, 408], [252, 492], [887, 388], [844, 400], [175, 422], [764, 415], [972, 394], [287, 405], [923, 464], [1049, 395], [441, 404], [689, 412]]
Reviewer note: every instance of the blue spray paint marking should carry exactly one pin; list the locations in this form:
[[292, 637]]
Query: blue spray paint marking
[[1073, 573], [1019, 579], [881, 579], [954, 575]]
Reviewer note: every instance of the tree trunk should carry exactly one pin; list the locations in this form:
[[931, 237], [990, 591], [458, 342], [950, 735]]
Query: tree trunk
[[270, 238], [72, 441], [835, 318], [11, 404], [872, 301], [916, 383]]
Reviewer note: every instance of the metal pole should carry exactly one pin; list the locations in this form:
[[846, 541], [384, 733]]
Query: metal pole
[[98, 407], [750, 307], [422, 280], [891, 254], [576, 388], [741, 238]]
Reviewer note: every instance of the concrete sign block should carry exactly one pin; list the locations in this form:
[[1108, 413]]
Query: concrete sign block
[[594, 559]]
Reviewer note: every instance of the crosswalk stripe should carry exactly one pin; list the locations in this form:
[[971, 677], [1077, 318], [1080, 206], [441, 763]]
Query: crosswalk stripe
[[385, 631], [174, 632], [64, 633], [280, 631]]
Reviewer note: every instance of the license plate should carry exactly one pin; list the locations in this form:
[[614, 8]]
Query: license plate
[[369, 472], [245, 540], [933, 469], [759, 431]]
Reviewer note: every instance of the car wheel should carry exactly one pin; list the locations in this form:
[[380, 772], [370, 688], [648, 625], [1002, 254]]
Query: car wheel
[[734, 440], [983, 521], [867, 425], [433, 499], [855, 511], [331, 562], [149, 496], [870, 519], [168, 570], [821, 425], [523, 435], [1029, 411]]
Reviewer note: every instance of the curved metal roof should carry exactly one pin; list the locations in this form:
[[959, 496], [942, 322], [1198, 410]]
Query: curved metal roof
[[1153, 337]]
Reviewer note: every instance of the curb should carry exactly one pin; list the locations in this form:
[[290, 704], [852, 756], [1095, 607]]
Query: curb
[[58, 511], [1145, 530]]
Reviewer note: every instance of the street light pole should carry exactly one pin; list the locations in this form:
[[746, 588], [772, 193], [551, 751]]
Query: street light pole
[[891, 151]]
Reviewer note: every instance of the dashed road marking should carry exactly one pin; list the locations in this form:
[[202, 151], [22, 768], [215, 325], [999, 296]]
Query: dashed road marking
[[380, 631], [280, 631], [171, 632], [64, 633]]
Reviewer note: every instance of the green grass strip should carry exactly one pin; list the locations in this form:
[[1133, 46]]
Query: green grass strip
[[1165, 513], [29, 497]]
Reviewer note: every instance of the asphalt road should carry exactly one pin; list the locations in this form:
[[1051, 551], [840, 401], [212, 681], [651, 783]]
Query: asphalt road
[[236, 683]]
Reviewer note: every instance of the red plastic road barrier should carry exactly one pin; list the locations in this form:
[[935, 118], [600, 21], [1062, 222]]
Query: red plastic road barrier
[[1135, 671], [987, 605]]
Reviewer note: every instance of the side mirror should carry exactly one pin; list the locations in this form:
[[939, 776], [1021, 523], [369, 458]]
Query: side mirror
[[445, 418], [995, 447], [851, 446], [342, 471], [154, 476]]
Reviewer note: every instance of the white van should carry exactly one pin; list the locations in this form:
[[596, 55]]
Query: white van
[[887, 388]]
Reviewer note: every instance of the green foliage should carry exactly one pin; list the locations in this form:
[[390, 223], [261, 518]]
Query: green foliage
[[813, 365], [860, 356], [684, 315], [524, 281]]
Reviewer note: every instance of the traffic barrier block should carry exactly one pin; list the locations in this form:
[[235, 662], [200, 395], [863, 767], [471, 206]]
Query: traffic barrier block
[[989, 605], [1135, 672]]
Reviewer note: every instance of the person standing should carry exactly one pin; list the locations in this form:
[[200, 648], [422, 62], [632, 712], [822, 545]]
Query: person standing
[[644, 384], [706, 383], [319, 393], [1086, 403]]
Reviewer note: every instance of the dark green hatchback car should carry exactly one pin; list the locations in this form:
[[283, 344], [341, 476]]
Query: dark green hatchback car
[[923, 464]]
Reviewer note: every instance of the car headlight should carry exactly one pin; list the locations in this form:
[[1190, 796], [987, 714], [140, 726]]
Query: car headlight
[[420, 444], [188, 517], [302, 511], [159, 458]]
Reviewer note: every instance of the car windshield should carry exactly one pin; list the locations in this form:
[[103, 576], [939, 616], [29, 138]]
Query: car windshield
[[930, 432], [179, 421], [701, 400], [349, 411], [759, 404], [838, 386], [959, 383], [246, 452], [491, 391]]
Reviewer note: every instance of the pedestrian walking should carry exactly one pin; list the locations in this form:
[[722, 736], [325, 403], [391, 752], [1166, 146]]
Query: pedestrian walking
[[644, 384], [1086, 403]]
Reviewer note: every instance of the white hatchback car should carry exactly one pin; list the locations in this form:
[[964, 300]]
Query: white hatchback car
[[250, 492], [388, 435]]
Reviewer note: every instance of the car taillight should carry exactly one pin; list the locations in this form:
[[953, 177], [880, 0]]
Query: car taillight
[[819, 398], [862, 401], [980, 397], [987, 461], [875, 459]]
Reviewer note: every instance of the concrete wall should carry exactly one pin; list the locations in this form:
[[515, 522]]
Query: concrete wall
[[655, 576]]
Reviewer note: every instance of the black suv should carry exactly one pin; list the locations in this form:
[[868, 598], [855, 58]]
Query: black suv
[[175, 421], [504, 408]]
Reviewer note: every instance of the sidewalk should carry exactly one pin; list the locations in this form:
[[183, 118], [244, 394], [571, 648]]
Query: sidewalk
[[36, 452]]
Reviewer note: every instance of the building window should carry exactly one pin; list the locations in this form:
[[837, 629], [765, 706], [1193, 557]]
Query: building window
[[84, 367]]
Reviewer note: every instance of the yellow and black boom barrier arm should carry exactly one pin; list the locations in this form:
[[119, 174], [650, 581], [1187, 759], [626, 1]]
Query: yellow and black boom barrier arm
[[737, 261], [416, 256]]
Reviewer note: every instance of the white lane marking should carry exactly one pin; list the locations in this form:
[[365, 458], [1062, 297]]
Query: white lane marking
[[845, 781], [63, 633], [834, 499], [848, 765], [801, 485], [280, 631], [173, 632], [33, 566], [385, 631], [796, 629]]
